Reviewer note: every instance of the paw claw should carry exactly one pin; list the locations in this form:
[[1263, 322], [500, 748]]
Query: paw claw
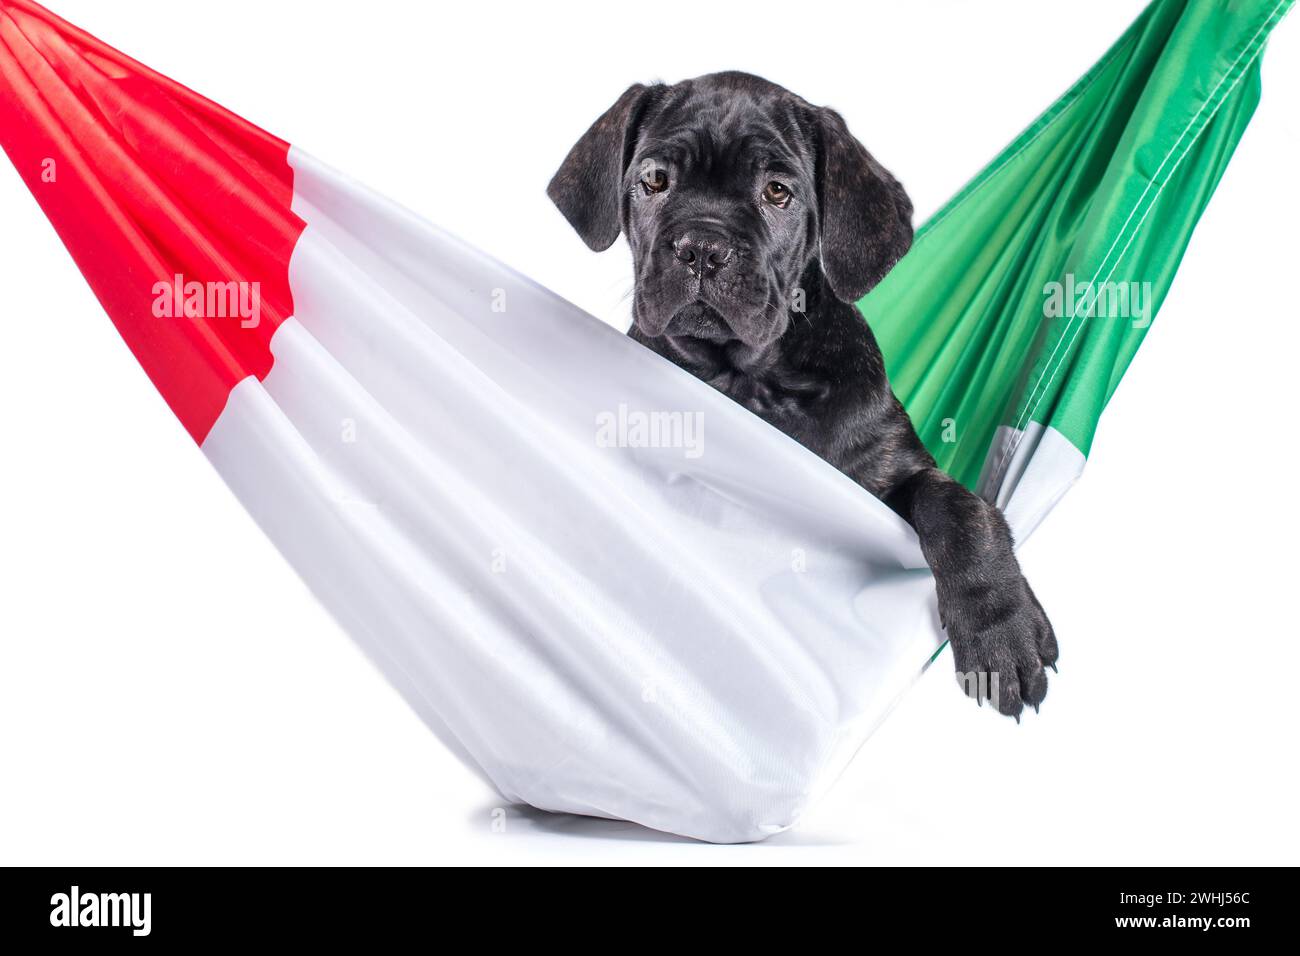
[[1001, 640]]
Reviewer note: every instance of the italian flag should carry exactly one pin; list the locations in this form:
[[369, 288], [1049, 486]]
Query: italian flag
[[609, 589]]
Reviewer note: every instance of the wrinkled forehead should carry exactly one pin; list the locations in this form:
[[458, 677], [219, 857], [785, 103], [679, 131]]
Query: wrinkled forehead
[[722, 131]]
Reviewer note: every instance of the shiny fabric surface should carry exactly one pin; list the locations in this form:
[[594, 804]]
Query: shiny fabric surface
[[609, 589]]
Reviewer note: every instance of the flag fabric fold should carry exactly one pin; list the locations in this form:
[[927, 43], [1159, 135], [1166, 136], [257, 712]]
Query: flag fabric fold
[[1008, 325], [608, 588]]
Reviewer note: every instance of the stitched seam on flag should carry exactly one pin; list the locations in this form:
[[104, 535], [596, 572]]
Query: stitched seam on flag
[[1056, 365], [1163, 184], [1152, 204], [1253, 46], [1192, 122]]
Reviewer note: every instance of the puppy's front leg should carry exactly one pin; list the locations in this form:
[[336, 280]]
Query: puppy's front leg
[[999, 634]]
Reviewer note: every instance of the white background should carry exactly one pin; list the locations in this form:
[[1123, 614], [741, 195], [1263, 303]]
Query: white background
[[171, 693]]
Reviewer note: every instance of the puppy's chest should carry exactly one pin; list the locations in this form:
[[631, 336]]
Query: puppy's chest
[[790, 399]]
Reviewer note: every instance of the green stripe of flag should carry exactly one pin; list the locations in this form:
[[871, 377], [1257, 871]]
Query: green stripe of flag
[[986, 321]]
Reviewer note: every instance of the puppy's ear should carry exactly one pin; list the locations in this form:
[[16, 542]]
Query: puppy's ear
[[588, 186], [866, 216]]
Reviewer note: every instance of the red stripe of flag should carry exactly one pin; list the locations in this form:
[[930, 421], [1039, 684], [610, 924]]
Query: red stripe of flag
[[151, 181]]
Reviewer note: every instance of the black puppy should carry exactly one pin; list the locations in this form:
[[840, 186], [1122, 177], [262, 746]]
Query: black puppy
[[756, 221]]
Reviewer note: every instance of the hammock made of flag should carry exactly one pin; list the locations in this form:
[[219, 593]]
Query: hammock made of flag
[[695, 634]]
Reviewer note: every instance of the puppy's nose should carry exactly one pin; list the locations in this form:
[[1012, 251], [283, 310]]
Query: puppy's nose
[[703, 253]]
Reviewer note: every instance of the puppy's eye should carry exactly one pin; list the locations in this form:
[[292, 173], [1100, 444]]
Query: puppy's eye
[[654, 182], [778, 194]]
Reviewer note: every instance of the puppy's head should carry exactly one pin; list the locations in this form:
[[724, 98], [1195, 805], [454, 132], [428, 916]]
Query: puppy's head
[[728, 187]]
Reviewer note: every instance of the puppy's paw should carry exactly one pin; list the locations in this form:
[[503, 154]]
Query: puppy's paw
[[1001, 643]]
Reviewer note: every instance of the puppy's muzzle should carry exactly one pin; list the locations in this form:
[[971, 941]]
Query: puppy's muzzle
[[703, 252]]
